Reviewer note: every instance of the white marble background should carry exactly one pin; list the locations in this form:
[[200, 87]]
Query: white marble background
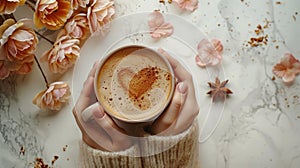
[[261, 121]]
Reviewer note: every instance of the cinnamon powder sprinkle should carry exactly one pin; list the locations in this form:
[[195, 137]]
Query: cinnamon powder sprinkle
[[260, 40], [39, 163]]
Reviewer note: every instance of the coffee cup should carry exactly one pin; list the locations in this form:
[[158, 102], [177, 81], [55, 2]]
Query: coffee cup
[[134, 84]]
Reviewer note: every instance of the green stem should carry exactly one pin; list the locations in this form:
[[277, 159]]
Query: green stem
[[41, 70]]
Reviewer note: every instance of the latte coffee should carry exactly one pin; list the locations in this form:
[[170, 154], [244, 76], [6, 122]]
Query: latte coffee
[[134, 84]]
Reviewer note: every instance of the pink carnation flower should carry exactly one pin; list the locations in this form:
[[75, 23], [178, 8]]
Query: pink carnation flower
[[52, 14], [158, 27], [288, 68], [53, 97], [99, 15], [9, 6], [209, 53], [18, 44], [63, 54], [77, 27]]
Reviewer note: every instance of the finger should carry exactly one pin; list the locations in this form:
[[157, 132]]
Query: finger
[[108, 125], [87, 95], [171, 113], [92, 134], [87, 113], [186, 117], [179, 71], [94, 69]]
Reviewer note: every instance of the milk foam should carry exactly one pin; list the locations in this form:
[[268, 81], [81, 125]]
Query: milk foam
[[117, 73]]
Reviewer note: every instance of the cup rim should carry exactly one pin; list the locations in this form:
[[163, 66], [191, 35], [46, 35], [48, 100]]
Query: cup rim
[[150, 117]]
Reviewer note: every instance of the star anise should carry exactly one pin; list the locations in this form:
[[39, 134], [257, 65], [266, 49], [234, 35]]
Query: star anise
[[218, 89]]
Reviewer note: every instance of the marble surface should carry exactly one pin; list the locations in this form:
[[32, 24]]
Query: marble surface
[[260, 122]]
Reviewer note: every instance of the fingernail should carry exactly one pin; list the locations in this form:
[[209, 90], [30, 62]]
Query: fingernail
[[98, 114], [181, 87]]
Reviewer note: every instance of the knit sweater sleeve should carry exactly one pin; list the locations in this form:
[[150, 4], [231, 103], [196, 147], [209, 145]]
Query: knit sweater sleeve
[[92, 158], [180, 150], [155, 151]]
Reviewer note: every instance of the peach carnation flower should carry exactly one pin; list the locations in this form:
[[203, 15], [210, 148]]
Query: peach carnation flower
[[190, 5], [288, 68], [4, 72], [209, 53], [78, 27], [63, 54], [18, 45], [10, 6], [52, 14], [53, 97], [99, 15], [79, 3], [158, 27]]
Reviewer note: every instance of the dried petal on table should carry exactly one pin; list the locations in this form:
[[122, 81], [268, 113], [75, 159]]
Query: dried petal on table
[[190, 5], [288, 68], [158, 27], [209, 53]]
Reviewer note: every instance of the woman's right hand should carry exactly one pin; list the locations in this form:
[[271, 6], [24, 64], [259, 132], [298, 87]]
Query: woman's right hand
[[100, 132]]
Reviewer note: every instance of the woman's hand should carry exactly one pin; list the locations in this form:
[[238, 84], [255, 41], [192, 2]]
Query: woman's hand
[[183, 108], [100, 132]]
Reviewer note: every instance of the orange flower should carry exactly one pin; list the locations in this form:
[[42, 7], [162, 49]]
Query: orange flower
[[53, 97], [99, 15], [9, 6], [63, 54], [288, 68], [52, 13], [18, 45], [78, 27], [209, 53]]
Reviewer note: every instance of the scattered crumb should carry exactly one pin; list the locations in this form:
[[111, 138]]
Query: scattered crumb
[[68, 159], [294, 17], [273, 78], [261, 38], [54, 159], [277, 47], [162, 1], [298, 117], [259, 30], [259, 41], [169, 1], [65, 148], [22, 150], [39, 163], [278, 3]]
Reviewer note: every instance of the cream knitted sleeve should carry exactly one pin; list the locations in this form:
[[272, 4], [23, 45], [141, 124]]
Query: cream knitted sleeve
[[93, 158], [179, 151]]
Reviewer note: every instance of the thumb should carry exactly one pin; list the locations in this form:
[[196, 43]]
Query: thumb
[[87, 113], [171, 113]]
